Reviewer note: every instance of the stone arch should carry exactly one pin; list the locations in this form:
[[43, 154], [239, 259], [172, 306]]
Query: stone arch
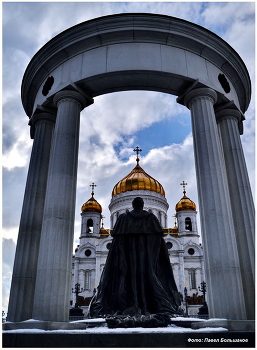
[[138, 52], [135, 52]]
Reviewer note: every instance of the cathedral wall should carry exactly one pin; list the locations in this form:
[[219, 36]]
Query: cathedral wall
[[152, 201]]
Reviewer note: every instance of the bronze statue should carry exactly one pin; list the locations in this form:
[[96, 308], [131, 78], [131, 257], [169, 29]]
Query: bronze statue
[[137, 285]]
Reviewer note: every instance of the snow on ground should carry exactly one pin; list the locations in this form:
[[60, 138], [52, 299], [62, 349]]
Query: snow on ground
[[103, 329]]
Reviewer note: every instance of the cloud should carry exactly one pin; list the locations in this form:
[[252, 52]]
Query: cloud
[[8, 251]]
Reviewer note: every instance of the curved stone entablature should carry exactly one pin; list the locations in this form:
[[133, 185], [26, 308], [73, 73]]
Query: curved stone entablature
[[135, 52]]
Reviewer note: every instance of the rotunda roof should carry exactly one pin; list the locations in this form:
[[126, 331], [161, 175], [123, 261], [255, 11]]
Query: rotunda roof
[[138, 179], [185, 203]]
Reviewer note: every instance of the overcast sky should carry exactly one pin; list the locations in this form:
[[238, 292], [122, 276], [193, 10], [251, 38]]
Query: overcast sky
[[150, 120]]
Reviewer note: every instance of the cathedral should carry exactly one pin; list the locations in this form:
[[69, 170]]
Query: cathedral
[[185, 250]]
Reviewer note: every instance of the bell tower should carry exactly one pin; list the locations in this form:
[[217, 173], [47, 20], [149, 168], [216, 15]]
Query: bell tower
[[91, 216], [186, 214]]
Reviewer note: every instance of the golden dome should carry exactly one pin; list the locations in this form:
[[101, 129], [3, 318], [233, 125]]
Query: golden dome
[[104, 231], [91, 205], [137, 179], [185, 203]]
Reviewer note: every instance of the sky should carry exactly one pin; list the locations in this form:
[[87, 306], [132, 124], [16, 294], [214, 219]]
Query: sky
[[153, 121]]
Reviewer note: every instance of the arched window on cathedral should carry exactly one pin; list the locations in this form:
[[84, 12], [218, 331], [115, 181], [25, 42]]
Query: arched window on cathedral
[[192, 278], [89, 226], [188, 224]]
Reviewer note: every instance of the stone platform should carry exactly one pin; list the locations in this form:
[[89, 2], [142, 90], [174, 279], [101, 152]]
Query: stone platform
[[95, 334], [130, 340]]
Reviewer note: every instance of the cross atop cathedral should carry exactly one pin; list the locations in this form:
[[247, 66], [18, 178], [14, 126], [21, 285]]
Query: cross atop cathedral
[[93, 186], [137, 150], [184, 187]]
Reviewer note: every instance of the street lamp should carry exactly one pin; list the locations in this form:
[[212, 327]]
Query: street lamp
[[203, 311], [185, 294], [77, 290]]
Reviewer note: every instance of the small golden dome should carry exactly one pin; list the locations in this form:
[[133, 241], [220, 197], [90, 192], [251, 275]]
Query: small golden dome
[[91, 205], [185, 203], [137, 179], [104, 231]]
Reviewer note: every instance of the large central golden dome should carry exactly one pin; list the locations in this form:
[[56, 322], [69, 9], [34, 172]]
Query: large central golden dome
[[137, 179]]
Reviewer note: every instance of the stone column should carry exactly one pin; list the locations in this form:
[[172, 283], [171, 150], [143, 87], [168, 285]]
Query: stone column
[[181, 271], [25, 263], [53, 283], [241, 201], [223, 277]]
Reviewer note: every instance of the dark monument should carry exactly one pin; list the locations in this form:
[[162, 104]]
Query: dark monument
[[137, 286]]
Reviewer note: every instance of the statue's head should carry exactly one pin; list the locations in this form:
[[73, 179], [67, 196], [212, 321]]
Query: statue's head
[[138, 203]]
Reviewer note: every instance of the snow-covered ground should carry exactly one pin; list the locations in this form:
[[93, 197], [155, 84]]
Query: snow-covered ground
[[101, 327]]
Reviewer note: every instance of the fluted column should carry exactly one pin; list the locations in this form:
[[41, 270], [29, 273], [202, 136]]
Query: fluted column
[[25, 263], [52, 292], [241, 201], [223, 275]]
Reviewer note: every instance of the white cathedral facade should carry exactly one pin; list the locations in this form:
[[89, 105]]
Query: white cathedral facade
[[185, 250]]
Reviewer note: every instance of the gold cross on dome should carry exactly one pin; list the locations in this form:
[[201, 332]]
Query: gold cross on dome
[[137, 150], [184, 186], [93, 186]]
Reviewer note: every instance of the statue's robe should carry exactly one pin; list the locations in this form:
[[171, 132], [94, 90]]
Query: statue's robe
[[137, 278]]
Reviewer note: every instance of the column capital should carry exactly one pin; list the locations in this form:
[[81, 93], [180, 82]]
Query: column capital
[[42, 116], [39, 117], [200, 92], [228, 113], [70, 95]]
